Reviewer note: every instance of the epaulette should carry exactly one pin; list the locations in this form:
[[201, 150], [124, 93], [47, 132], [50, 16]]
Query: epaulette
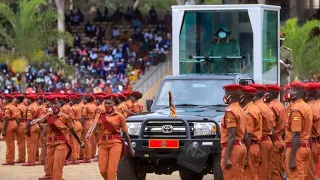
[[228, 110], [287, 48]]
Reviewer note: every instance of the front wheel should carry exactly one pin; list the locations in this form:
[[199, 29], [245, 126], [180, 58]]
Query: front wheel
[[216, 167], [187, 174], [127, 170]]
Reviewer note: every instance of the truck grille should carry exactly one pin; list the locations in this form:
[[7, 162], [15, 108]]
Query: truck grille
[[154, 130]]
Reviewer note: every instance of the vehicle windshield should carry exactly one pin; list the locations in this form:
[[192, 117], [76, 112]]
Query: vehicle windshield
[[192, 92]]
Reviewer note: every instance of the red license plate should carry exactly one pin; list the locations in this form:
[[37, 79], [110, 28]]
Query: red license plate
[[164, 143]]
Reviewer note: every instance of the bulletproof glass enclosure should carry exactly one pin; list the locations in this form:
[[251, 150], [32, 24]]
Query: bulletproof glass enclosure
[[227, 39]]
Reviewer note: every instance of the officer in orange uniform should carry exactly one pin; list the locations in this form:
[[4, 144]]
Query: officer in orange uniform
[[298, 132], [267, 126], [1, 113], [21, 121], [10, 128], [277, 154], [254, 130], [58, 148], [233, 127], [88, 113], [111, 146], [137, 106], [32, 131], [126, 107], [100, 107], [315, 132], [42, 109], [75, 115]]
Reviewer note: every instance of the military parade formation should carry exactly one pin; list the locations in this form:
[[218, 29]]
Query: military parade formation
[[261, 137], [58, 129]]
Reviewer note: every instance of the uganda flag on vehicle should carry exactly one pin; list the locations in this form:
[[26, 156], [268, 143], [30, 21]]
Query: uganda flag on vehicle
[[171, 105]]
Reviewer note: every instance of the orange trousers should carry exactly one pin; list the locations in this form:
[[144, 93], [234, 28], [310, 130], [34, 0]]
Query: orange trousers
[[109, 157], [265, 159], [32, 144], [313, 162], [251, 170], [277, 156], [88, 144], [21, 142], [55, 159], [237, 158], [302, 162], [11, 131], [94, 145], [74, 144]]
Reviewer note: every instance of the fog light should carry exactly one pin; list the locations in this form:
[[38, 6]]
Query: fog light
[[195, 145], [133, 144]]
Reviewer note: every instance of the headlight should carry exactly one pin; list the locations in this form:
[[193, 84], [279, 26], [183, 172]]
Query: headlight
[[134, 128], [203, 129]]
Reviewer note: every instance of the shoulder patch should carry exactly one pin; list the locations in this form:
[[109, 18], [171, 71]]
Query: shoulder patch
[[229, 109]]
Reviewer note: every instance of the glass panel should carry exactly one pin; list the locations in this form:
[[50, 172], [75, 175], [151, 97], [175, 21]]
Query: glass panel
[[192, 92], [199, 37], [270, 47]]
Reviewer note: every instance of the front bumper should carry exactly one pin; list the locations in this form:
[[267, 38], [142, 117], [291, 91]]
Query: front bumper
[[210, 146]]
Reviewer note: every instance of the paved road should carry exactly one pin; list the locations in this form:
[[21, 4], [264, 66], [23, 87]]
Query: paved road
[[83, 171]]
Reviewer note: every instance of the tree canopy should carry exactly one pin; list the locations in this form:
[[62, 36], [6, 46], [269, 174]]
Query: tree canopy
[[305, 49]]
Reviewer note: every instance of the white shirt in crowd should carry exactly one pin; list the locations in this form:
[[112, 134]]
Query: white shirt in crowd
[[108, 58], [148, 35], [94, 56], [115, 32], [158, 39]]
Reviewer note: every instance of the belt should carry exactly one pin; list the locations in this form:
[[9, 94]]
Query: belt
[[265, 138], [302, 145], [11, 119], [315, 140], [56, 138], [23, 120], [109, 137], [277, 138], [254, 142], [236, 142]]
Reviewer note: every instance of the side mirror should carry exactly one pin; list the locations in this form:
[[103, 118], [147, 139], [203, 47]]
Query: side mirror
[[149, 104]]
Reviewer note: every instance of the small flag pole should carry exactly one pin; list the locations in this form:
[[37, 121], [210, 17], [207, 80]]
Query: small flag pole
[[171, 105]]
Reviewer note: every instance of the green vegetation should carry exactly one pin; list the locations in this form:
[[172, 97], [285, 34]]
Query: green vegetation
[[27, 33], [305, 50]]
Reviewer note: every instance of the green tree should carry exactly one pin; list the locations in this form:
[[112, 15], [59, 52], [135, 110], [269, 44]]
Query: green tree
[[27, 33], [305, 50]]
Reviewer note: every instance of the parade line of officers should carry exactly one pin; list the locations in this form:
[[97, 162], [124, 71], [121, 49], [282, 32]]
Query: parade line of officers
[[260, 136], [67, 128]]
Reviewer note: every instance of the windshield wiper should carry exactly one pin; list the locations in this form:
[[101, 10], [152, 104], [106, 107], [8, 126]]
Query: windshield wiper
[[185, 105]]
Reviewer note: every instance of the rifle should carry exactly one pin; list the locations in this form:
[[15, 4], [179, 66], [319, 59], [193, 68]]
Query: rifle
[[93, 126]]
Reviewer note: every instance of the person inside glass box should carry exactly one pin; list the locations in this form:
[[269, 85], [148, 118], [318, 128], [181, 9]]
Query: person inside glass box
[[226, 49]]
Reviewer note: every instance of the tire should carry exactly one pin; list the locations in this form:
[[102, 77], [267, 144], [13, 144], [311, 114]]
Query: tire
[[187, 174], [216, 167], [126, 170]]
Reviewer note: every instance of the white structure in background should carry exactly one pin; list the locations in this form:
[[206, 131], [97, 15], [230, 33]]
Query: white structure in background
[[255, 27], [190, 2]]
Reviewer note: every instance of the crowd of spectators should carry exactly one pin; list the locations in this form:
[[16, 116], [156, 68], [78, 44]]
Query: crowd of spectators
[[101, 63]]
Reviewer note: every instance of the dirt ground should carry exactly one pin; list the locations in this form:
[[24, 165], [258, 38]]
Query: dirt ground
[[75, 172]]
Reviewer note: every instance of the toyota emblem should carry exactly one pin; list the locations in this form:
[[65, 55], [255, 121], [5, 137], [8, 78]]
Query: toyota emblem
[[167, 129]]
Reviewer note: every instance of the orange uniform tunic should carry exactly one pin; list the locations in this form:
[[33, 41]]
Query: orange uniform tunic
[[300, 121], [88, 112], [110, 150], [315, 135], [128, 104], [57, 145], [277, 155], [75, 115], [268, 122], [11, 131], [33, 112], [254, 127], [234, 118], [21, 136]]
